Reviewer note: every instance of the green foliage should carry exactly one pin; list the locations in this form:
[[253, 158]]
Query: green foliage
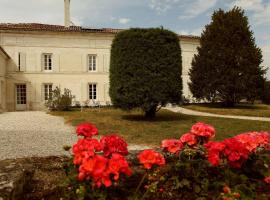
[[227, 66], [145, 69], [58, 101], [266, 93]]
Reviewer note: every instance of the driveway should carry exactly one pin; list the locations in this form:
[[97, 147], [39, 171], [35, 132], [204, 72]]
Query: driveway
[[33, 133]]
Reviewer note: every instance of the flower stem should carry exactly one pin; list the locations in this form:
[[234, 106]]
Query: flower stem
[[141, 182]]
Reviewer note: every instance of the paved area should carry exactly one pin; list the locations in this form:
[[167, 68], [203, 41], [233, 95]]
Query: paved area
[[197, 113], [35, 133]]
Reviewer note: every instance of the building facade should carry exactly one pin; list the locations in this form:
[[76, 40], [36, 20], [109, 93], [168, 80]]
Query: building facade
[[35, 58]]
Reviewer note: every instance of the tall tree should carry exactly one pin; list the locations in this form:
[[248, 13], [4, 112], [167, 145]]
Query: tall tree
[[145, 69], [227, 67]]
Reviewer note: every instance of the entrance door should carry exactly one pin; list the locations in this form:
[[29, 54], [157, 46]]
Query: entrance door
[[21, 97]]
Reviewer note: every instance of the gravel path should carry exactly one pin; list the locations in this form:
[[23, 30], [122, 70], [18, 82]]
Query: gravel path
[[197, 113], [35, 133]]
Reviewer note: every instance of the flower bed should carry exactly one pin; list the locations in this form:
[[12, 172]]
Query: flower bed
[[192, 167]]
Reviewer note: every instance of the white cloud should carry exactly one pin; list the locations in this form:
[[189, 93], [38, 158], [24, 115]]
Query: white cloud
[[195, 32], [124, 20], [262, 17], [161, 6], [196, 8], [253, 5]]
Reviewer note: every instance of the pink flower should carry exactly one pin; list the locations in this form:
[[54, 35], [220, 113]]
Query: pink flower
[[188, 138], [86, 130], [172, 145]]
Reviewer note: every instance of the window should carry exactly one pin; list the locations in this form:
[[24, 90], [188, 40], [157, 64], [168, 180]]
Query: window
[[92, 62], [21, 94], [92, 91], [47, 91], [47, 62], [19, 62]]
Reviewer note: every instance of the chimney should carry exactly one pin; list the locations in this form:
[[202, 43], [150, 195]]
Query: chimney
[[67, 13]]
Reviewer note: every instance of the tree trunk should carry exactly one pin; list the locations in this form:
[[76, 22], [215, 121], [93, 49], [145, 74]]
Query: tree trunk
[[151, 112], [229, 103]]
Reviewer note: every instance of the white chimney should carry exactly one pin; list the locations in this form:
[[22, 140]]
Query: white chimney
[[67, 13]]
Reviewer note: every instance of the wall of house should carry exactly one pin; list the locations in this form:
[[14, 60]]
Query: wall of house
[[69, 64], [3, 63]]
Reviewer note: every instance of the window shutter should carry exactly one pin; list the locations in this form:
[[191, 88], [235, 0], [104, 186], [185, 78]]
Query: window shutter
[[22, 62]]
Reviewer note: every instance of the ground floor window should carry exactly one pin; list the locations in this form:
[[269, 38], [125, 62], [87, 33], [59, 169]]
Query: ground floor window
[[21, 94], [92, 91], [47, 91]]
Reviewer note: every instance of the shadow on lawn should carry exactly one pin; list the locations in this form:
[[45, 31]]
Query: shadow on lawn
[[160, 117]]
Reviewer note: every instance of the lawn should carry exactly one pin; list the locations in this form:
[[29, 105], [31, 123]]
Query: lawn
[[135, 129], [257, 110]]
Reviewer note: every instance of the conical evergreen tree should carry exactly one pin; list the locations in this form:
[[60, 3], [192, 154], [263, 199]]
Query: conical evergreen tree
[[227, 67]]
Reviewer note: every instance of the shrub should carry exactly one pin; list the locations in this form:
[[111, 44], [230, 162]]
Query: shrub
[[58, 101], [145, 70], [192, 167]]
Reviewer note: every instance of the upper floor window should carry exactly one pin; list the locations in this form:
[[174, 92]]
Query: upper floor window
[[92, 91], [47, 61], [92, 62], [47, 91]]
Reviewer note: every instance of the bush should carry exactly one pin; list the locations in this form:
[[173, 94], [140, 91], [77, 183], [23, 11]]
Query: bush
[[266, 93], [58, 101], [192, 167], [145, 70]]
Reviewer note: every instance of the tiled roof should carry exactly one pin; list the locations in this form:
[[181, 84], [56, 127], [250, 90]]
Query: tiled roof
[[59, 28]]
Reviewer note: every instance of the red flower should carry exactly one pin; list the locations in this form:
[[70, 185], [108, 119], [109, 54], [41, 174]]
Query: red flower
[[267, 180], [172, 145], [203, 130], [113, 144], [118, 164], [188, 138], [214, 150], [86, 130], [150, 157], [84, 149], [235, 152]]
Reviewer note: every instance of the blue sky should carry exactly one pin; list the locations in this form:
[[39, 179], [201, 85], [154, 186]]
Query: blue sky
[[181, 16]]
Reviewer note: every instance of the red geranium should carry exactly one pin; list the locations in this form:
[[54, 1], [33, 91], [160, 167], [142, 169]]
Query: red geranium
[[113, 144], [172, 145], [203, 130], [86, 130], [150, 157], [84, 149], [214, 152], [188, 138], [267, 180]]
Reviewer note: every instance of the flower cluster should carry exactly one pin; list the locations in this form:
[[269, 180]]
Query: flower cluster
[[92, 165], [150, 157], [237, 149], [200, 132]]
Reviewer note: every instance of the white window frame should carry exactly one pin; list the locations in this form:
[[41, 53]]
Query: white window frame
[[92, 91], [92, 62], [47, 63], [47, 91]]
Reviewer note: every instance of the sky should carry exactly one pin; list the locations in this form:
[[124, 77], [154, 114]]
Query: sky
[[186, 17]]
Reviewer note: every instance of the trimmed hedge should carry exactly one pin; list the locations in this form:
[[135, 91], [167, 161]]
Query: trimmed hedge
[[145, 69]]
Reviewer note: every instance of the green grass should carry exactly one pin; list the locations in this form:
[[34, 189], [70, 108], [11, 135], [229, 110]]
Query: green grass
[[257, 110], [135, 129]]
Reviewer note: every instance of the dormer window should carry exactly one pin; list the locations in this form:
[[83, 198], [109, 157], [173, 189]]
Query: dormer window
[[47, 61]]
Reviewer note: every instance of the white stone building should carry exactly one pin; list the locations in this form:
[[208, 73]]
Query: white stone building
[[34, 58]]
